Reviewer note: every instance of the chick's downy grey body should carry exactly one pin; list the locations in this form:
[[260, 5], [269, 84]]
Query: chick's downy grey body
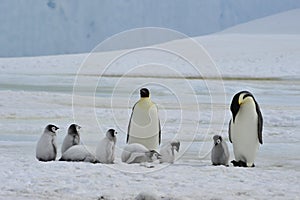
[[168, 152], [46, 149], [105, 151], [219, 153], [72, 138], [78, 153], [137, 153]]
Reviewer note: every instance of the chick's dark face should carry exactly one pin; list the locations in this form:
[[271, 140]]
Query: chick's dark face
[[52, 128], [217, 139], [112, 132]]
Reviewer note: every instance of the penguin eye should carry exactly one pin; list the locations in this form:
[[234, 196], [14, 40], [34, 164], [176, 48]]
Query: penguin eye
[[218, 141], [53, 129]]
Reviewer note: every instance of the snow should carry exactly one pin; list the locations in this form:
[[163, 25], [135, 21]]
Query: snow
[[36, 91]]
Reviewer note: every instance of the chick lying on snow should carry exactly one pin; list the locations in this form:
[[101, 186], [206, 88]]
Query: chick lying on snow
[[78, 153]]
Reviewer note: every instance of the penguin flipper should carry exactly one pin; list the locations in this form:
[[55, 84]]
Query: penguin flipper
[[229, 131], [76, 140], [259, 123], [128, 130], [54, 147], [133, 157], [159, 132]]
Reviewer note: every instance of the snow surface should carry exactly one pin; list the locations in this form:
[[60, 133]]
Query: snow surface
[[38, 90]]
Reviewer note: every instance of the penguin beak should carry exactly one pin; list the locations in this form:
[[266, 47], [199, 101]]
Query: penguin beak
[[241, 101]]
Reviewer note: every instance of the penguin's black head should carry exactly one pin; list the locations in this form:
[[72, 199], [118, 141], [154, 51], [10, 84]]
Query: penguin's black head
[[111, 133], [154, 155], [144, 92], [237, 100], [52, 128], [74, 129], [217, 139]]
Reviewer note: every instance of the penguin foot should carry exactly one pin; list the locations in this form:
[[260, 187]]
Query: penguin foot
[[239, 163], [214, 164]]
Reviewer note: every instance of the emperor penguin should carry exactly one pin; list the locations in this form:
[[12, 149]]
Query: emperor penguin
[[219, 152], [167, 152], [105, 152], [78, 153], [72, 138], [245, 128], [137, 153], [46, 148], [144, 124]]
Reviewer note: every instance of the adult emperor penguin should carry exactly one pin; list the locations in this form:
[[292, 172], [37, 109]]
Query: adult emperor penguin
[[105, 152], [46, 148], [167, 152], [72, 138], [219, 152], [144, 125], [245, 128]]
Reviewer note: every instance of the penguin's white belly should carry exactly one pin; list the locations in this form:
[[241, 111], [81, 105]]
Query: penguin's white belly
[[244, 137], [105, 151], [144, 126], [45, 149]]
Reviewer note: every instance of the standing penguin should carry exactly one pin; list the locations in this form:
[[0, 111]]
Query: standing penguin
[[167, 152], [245, 128], [72, 138], [144, 125], [105, 152], [46, 148], [219, 153]]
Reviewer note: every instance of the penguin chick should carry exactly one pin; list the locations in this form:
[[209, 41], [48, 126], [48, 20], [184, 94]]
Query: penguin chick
[[219, 153], [137, 153], [46, 149], [168, 152], [78, 153], [72, 137], [105, 152]]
